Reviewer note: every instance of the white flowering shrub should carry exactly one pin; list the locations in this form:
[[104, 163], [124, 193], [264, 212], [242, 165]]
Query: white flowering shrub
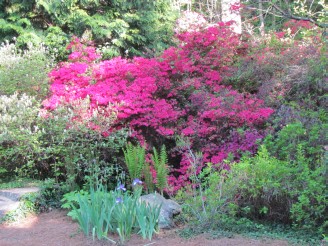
[[17, 112], [18, 130], [189, 22], [24, 71]]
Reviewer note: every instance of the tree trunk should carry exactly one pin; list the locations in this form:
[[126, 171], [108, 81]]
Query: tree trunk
[[262, 30], [231, 15]]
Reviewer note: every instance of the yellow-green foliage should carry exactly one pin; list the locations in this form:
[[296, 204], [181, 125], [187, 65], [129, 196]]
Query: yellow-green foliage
[[263, 187], [160, 163], [135, 160]]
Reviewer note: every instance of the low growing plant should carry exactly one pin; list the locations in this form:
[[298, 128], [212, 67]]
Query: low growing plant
[[147, 218], [18, 182], [50, 195], [203, 200], [99, 212], [27, 206]]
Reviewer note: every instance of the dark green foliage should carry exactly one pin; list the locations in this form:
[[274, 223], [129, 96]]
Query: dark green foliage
[[124, 28], [229, 227], [50, 195]]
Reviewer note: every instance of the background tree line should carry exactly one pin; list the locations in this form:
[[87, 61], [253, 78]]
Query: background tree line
[[140, 27]]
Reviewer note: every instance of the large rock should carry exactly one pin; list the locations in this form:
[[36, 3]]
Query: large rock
[[168, 210]]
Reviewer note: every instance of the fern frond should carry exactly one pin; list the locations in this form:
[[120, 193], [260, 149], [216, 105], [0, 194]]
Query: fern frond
[[148, 178], [160, 163], [134, 159]]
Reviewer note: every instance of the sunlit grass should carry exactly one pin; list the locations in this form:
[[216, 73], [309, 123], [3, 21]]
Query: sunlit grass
[[19, 183]]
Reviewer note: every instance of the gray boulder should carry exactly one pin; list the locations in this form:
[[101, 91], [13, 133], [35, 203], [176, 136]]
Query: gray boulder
[[168, 210]]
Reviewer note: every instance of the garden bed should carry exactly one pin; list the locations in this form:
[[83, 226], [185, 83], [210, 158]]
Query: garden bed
[[55, 228]]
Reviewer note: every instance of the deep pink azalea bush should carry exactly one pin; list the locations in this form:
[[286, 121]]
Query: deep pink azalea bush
[[297, 25], [179, 93]]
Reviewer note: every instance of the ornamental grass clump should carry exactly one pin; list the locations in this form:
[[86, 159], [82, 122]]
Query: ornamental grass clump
[[100, 212]]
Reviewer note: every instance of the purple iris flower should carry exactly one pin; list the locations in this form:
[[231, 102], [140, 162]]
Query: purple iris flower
[[136, 182], [119, 200], [121, 187]]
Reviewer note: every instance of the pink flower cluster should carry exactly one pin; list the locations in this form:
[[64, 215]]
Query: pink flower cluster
[[296, 25]]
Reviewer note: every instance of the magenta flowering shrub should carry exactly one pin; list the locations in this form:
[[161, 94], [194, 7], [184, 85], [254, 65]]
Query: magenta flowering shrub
[[81, 53], [297, 25], [234, 146], [179, 93]]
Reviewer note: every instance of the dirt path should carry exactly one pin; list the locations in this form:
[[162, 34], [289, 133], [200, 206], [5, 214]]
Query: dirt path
[[9, 198], [56, 229]]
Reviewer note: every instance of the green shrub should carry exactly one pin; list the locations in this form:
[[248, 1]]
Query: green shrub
[[203, 201], [56, 41], [263, 187], [73, 152], [24, 71], [284, 143], [50, 195], [55, 146]]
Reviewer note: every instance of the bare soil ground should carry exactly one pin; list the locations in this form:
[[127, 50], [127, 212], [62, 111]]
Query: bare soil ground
[[56, 229]]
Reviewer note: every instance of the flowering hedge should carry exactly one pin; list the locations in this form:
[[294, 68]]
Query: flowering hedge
[[178, 94]]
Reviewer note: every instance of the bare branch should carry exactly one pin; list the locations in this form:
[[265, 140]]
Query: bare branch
[[294, 17]]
